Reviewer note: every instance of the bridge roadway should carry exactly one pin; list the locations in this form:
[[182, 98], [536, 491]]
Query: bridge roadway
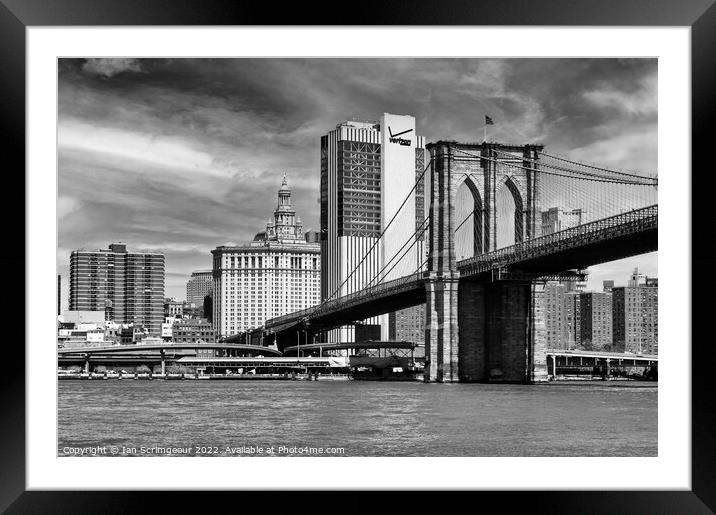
[[623, 235]]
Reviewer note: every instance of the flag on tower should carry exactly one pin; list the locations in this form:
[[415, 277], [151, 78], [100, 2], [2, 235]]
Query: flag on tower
[[488, 121]]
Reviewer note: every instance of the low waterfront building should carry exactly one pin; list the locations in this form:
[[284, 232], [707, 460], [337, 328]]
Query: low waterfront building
[[195, 331]]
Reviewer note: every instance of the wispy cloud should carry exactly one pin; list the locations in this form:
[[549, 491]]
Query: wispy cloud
[[109, 67]]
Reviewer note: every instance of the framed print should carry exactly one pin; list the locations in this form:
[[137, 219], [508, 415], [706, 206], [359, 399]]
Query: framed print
[[426, 243]]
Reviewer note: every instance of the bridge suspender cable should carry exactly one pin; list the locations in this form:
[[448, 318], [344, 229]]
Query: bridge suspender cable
[[338, 289], [404, 254], [415, 237]]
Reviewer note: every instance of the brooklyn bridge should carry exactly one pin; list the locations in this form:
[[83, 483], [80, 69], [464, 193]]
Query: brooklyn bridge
[[482, 260]]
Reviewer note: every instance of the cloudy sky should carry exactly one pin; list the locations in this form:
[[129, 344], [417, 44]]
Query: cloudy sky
[[181, 155]]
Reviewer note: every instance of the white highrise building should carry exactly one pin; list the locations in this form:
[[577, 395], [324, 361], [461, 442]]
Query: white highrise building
[[279, 272], [367, 170]]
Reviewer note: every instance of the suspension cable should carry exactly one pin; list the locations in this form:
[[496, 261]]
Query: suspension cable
[[382, 232], [404, 254], [594, 167], [413, 237], [540, 170], [580, 172]]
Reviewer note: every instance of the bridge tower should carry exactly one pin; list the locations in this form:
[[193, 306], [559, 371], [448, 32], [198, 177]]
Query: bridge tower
[[441, 317], [479, 331]]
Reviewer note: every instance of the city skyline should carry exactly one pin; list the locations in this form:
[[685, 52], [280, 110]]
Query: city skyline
[[179, 156]]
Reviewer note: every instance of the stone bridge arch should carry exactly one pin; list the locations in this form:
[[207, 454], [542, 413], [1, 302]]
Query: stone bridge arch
[[477, 209]]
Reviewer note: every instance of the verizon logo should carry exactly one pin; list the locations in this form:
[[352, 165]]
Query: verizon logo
[[400, 141]]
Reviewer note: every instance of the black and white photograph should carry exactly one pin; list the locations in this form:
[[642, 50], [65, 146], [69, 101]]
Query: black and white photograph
[[357, 257]]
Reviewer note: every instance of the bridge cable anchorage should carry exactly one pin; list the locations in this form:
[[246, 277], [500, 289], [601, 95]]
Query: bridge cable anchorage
[[650, 180], [417, 181], [414, 238]]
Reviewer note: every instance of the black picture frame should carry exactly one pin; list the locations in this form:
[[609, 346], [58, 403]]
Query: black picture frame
[[700, 15]]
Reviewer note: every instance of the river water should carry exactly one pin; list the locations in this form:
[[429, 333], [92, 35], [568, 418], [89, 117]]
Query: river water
[[236, 418]]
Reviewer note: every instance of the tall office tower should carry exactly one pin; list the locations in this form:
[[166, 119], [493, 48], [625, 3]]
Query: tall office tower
[[367, 170], [636, 319], [596, 321], [199, 286], [557, 219], [279, 272], [128, 286]]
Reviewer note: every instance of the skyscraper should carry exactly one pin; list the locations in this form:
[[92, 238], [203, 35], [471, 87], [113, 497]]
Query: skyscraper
[[129, 287], [367, 170], [199, 286], [277, 273]]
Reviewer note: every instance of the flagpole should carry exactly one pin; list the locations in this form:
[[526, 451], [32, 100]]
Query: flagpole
[[485, 138]]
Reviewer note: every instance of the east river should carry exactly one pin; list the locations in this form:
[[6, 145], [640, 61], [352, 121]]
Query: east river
[[237, 418]]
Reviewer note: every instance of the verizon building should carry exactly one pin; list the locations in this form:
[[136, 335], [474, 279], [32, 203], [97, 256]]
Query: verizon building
[[367, 170]]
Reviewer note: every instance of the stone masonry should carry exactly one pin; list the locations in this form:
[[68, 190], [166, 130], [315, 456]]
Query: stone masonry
[[478, 331]]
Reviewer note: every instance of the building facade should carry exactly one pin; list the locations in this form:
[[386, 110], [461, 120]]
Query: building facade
[[560, 312], [128, 286], [572, 339], [277, 273], [200, 285], [195, 331], [556, 219], [367, 170], [596, 321], [636, 319], [408, 325]]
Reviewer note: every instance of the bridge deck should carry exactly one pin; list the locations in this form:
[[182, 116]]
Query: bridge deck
[[626, 234]]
